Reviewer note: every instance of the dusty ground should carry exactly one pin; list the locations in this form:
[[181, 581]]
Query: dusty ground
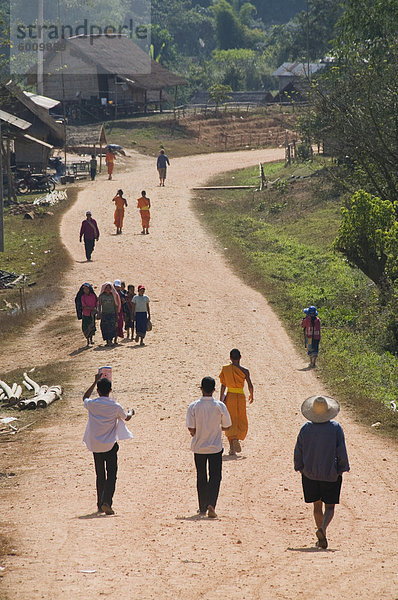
[[262, 546]]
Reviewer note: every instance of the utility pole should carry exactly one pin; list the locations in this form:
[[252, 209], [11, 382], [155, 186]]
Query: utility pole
[[40, 46], [309, 80], [1, 194]]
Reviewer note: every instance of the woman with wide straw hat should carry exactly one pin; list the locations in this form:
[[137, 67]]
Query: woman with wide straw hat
[[320, 455]]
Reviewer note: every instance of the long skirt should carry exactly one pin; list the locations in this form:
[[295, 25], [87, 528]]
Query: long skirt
[[119, 216], [88, 326], [119, 327], [141, 319], [145, 218], [236, 404], [312, 347], [108, 327]]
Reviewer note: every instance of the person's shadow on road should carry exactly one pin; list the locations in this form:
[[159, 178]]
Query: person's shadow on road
[[94, 515], [79, 350], [312, 549]]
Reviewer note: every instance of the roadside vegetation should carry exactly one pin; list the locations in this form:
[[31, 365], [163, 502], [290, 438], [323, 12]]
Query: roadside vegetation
[[281, 239], [33, 247]]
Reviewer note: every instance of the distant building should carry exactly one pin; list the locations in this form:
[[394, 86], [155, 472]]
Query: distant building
[[295, 74], [105, 76], [33, 143]]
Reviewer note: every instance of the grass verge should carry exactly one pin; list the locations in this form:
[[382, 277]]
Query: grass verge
[[148, 134], [280, 240], [35, 249]]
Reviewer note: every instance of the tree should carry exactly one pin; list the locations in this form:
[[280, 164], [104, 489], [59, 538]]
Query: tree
[[229, 31], [239, 68], [367, 237], [219, 93], [356, 101]]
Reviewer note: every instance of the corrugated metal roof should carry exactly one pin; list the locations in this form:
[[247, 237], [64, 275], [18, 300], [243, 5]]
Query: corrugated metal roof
[[33, 139], [42, 100], [297, 69], [13, 120]]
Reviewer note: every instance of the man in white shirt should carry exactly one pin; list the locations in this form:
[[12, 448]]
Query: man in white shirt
[[206, 419], [105, 427]]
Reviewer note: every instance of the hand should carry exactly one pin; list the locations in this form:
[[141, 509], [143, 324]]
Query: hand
[[97, 377], [80, 240], [251, 398], [131, 411]]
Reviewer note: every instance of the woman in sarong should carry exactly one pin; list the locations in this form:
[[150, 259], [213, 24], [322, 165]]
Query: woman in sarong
[[144, 204], [128, 311], [120, 203], [109, 307], [232, 378], [86, 308], [117, 284], [141, 314]]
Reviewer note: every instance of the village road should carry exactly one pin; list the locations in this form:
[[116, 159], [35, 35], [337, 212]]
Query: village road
[[262, 545]]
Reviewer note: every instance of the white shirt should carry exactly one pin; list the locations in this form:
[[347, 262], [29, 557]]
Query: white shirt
[[207, 416], [140, 303], [105, 424]]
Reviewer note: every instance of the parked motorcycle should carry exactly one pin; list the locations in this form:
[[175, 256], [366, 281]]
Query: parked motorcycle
[[32, 183]]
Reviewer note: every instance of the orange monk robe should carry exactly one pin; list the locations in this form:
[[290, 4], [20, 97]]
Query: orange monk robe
[[119, 212], [109, 159], [143, 205], [234, 379]]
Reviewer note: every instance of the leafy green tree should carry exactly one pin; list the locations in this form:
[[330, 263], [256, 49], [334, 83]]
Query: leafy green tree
[[164, 47], [239, 68], [219, 93], [306, 35], [229, 30], [356, 101], [368, 237]]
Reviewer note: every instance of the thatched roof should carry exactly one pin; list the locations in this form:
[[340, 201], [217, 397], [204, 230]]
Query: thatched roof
[[27, 107], [114, 54], [85, 135]]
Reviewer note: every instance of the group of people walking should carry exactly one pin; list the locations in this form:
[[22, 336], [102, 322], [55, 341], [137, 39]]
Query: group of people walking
[[89, 231], [320, 453], [118, 309]]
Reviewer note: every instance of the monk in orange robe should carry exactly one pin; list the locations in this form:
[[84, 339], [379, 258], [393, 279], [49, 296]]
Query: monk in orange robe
[[233, 378], [120, 203], [109, 159], [144, 204]]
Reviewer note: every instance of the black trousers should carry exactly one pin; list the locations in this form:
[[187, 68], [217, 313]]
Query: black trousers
[[89, 247], [208, 486], [106, 483], [93, 173]]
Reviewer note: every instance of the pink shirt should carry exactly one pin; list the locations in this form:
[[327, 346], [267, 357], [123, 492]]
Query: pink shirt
[[89, 301]]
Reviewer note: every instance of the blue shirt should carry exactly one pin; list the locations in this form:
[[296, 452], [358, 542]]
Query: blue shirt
[[320, 452], [162, 161]]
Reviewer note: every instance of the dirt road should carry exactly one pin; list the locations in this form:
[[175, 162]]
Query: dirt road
[[262, 546]]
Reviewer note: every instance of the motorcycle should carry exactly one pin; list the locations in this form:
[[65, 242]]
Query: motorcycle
[[32, 183]]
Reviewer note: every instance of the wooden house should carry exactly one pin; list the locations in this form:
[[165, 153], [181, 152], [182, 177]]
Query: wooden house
[[105, 76], [295, 75], [33, 146]]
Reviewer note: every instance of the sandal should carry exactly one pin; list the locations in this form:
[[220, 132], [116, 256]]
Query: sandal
[[323, 543]]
